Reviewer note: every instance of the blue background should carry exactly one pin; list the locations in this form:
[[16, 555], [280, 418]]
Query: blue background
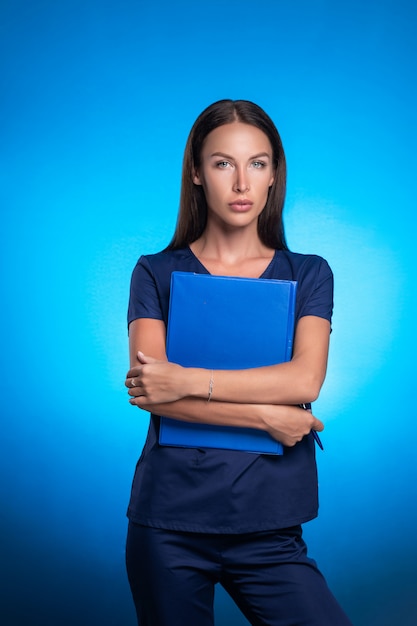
[[97, 99]]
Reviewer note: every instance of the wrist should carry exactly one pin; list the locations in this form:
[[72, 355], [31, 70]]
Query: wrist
[[261, 416], [199, 383]]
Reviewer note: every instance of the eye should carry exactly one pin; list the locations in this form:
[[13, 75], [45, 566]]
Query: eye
[[222, 164], [258, 164]]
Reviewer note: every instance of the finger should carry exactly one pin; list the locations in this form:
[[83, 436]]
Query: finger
[[133, 372], [131, 381], [131, 385], [139, 401], [134, 401], [142, 358], [135, 392]]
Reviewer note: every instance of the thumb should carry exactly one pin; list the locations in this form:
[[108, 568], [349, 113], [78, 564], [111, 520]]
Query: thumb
[[142, 358], [318, 425]]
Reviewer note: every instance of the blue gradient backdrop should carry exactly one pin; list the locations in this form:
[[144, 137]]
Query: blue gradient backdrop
[[97, 98]]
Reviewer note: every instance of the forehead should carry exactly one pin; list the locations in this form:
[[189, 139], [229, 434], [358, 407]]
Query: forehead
[[237, 137]]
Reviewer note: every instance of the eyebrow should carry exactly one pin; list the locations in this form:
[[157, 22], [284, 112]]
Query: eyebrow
[[228, 156]]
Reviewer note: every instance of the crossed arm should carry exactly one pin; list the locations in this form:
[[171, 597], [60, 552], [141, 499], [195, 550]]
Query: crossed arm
[[264, 397]]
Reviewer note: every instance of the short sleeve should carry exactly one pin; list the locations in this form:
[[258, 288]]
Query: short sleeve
[[144, 300], [317, 297]]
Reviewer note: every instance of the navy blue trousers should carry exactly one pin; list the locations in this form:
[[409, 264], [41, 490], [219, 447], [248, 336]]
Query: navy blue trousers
[[268, 574]]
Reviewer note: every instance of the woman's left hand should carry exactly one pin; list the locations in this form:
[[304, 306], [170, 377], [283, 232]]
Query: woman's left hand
[[155, 382]]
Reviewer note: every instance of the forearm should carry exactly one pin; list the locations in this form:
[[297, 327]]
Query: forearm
[[287, 424], [201, 411], [286, 383]]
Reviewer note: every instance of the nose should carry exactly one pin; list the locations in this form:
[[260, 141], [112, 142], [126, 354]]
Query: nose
[[241, 184]]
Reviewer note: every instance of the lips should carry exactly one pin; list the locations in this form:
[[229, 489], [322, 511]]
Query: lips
[[241, 205]]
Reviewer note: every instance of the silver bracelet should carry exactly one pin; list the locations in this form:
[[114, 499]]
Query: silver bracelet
[[211, 384]]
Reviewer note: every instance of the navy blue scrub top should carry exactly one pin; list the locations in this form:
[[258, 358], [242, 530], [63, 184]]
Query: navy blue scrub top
[[224, 491]]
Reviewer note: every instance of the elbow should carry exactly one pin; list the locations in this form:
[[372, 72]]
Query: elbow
[[311, 396], [311, 389]]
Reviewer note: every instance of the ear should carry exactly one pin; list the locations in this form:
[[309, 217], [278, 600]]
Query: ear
[[196, 178]]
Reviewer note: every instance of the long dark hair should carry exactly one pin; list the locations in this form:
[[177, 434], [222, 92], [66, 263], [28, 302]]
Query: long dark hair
[[192, 216]]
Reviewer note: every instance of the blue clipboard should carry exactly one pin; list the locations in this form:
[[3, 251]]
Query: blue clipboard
[[223, 322]]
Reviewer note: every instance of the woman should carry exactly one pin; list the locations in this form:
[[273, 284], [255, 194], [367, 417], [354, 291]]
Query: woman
[[202, 516]]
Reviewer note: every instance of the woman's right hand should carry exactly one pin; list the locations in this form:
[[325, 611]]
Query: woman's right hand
[[288, 424]]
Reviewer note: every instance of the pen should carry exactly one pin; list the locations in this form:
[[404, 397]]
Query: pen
[[317, 438], [313, 432]]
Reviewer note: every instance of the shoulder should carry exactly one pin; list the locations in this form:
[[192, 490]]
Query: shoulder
[[161, 265], [299, 261], [297, 266], [150, 285], [314, 279], [165, 260], [158, 267], [151, 280]]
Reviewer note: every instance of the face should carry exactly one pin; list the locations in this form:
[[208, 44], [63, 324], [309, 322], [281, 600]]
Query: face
[[236, 173]]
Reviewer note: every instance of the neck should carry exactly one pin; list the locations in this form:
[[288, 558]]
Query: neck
[[239, 252]]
